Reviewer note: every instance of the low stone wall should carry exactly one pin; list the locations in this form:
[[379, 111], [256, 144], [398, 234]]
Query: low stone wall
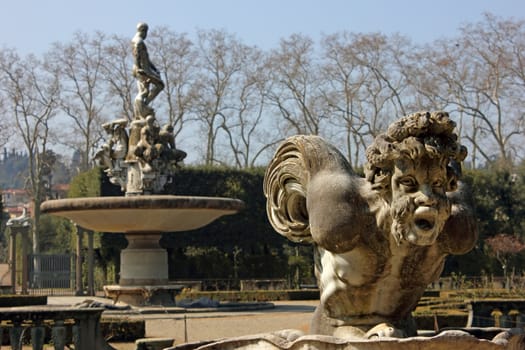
[[82, 323], [253, 295]]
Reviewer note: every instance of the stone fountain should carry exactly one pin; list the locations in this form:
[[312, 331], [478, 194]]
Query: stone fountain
[[141, 162]]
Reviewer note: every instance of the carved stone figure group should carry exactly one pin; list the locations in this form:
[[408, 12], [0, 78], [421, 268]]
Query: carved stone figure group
[[141, 161]]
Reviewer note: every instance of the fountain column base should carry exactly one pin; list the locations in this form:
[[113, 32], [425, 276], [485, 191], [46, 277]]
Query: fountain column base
[[143, 267], [143, 262], [143, 273], [158, 295]]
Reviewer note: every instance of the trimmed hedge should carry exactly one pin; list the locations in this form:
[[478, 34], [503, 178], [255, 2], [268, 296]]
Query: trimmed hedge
[[252, 295]]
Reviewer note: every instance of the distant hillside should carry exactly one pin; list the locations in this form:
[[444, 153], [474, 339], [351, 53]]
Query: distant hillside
[[13, 170]]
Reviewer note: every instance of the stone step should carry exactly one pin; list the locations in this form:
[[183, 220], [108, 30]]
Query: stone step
[[153, 343]]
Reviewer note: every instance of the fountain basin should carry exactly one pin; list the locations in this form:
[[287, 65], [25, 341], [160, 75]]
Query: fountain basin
[[143, 214], [143, 219]]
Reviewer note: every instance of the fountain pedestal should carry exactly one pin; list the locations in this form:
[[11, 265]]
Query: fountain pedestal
[[143, 295], [143, 273], [143, 262]]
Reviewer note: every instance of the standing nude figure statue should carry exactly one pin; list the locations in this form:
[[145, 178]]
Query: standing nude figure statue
[[143, 69], [379, 240]]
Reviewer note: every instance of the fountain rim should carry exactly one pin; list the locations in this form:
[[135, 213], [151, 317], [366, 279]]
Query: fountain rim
[[141, 202]]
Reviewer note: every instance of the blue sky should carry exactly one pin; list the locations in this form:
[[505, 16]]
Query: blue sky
[[31, 26]]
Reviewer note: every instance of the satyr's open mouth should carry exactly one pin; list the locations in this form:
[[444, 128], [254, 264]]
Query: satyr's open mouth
[[425, 218], [424, 224]]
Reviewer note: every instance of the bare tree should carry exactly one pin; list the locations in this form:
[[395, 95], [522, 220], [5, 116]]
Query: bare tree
[[386, 86], [478, 75], [176, 59], [343, 92], [514, 35], [82, 91], [438, 74], [248, 137], [221, 58], [365, 86], [32, 96], [295, 92], [117, 74], [7, 125]]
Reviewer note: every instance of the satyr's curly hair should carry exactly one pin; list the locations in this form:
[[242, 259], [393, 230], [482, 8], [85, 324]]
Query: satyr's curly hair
[[417, 135]]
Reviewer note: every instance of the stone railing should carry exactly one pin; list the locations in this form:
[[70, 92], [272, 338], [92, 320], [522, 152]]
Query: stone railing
[[80, 326]]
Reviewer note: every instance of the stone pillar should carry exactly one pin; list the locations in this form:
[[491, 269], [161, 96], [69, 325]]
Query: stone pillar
[[91, 266], [79, 288], [20, 224], [25, 269], [12, 259]]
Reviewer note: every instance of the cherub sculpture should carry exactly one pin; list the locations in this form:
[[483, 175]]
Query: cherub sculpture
[[380, 240], [167, 143], [145, 149], [118, 141], [112, 153]]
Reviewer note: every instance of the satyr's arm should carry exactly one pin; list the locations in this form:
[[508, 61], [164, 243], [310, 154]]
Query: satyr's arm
[[338, 215], [460, 232], [313, 196]]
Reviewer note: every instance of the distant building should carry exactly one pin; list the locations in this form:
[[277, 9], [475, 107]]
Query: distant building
[[59, 191], [15, 199]]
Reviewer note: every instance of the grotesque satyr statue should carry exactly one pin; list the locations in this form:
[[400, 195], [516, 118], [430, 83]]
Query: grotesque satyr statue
[[380, 240]]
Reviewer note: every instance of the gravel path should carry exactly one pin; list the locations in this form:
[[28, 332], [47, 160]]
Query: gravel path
[[213, 325]]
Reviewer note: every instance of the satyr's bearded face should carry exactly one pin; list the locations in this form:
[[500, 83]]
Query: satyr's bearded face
[[419, 206]]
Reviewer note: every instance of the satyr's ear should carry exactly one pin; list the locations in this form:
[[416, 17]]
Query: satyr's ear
[[286, 180], [453, 174]]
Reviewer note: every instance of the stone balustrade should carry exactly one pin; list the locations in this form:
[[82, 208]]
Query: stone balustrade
[[506, 313], [80, 326]]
